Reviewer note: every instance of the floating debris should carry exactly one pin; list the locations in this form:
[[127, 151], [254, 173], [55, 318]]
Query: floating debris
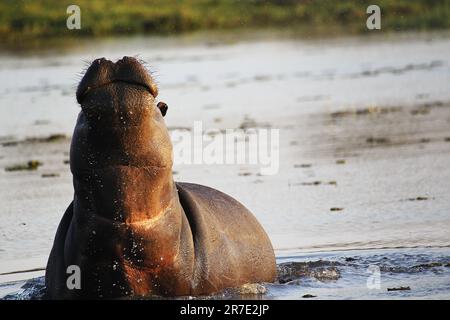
[[248, 123], [418, 199], [314, 183], [50, 175], [399, 289], [336, 209], [307, 296], [399, 70], [374, 140], [49, 139], [262, 77], [428, 265], [422, 110], [66, 161], [340, 161], [365, 111], [52, 138], [10, 143], [317, 183], [245, 174], [213, 132], [303, 165], [30, 165]]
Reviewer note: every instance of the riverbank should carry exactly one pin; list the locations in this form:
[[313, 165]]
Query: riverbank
[[32, 22]]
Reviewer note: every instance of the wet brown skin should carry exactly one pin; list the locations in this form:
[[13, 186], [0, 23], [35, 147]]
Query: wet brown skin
[[131, 229]]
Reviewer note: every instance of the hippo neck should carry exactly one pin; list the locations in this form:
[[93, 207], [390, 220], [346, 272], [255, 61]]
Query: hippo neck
[[119, 174]]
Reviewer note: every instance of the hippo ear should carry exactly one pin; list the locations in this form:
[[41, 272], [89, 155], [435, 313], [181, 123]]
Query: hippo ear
[[162, 106]]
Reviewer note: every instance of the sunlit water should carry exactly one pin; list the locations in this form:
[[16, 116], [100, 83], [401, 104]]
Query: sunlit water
[[368, 274], [364, 128]]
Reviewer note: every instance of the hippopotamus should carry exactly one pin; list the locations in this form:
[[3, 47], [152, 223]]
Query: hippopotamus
[[130, 229]]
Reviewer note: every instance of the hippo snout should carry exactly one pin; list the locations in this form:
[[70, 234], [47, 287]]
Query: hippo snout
[[102, 72]]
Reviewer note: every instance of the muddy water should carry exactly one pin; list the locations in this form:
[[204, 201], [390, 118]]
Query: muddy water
[[364, 148]]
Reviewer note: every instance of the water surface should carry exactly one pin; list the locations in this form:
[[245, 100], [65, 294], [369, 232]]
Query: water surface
[[364, 129]]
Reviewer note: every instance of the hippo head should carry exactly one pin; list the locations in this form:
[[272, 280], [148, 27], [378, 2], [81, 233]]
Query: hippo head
[[120, 122]]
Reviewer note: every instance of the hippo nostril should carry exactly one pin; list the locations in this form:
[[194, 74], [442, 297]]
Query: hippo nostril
[[103, 72], [126, 59]]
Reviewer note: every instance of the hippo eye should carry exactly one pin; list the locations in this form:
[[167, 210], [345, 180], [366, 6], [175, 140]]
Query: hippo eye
[[162, 106]]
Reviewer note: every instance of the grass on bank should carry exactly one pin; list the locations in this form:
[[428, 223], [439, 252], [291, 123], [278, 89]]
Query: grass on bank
[[28, 19]]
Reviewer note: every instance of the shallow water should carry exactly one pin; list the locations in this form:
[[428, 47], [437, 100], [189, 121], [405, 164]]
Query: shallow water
[[364, 127], [366, 274]]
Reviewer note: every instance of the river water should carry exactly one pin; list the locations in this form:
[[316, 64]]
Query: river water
[[364, 148]]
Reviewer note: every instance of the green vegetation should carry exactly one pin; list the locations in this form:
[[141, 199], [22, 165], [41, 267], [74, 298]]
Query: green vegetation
[[31, 19], [30, 165]]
